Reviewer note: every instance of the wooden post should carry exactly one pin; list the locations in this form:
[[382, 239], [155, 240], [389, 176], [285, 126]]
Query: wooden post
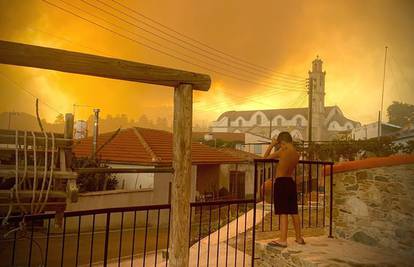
[[66, 160], [69, 122], [181, 184], [68, 134]]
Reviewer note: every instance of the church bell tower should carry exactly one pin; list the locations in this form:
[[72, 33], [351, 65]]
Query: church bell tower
[[316, 115]]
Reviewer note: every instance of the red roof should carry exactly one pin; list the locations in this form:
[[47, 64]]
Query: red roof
[[148, 147]]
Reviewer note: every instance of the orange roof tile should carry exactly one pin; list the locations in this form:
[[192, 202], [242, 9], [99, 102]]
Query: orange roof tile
[[148, 147]]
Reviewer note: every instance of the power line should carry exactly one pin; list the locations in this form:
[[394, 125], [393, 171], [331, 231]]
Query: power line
[[396, 84], [161, 51], [248, 98], [28, 92], [209, 56], [401, 71], [290, 86], [69, 41], [223, 104], [216, 104], [204, 44], [269, 94]]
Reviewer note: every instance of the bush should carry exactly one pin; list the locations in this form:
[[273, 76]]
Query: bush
[[93, 181], [355, 149]]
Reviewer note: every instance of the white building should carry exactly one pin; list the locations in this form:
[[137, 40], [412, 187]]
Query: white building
[[368, 131], [327, 122], [255, 144]]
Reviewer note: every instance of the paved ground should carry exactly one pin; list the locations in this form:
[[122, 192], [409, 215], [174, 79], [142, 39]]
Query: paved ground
[[324, 251]]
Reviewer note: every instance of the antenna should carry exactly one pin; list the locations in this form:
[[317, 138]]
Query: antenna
[[382, 96]]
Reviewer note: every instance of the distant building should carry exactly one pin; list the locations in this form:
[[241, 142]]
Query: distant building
[[256, 144], [370, 130], [80, 129], [327, 122], [405, 135], [226, 137]]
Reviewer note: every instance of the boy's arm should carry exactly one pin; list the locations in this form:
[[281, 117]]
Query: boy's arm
[[274, 155], [268, 154]]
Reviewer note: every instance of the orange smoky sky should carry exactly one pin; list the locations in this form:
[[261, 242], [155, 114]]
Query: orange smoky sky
[[283, 36]]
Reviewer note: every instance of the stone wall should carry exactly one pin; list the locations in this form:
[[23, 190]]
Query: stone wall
[[376, 206]]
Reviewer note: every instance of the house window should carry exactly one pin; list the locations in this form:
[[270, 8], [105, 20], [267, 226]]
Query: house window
[[299, 122], [279, 122], [258, 119], [240, 123], [258, 149]]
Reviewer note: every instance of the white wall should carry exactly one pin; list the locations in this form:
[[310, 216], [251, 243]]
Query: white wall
[[251, 147], [335, 126], [222, 125], [366, 131], [133, 181], [219, 129], [248, 168]]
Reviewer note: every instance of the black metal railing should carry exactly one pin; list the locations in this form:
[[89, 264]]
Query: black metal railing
[[88, 237], [222, 232], [138, 235], [227, 222], [314, 180]]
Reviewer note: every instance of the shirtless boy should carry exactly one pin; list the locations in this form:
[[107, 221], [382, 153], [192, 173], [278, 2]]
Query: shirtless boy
[[284, 189]]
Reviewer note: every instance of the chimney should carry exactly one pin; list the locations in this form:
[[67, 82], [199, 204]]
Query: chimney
[[95, 132]]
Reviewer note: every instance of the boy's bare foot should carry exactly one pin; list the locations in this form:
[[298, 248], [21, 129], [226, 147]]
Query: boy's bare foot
[[300, 241], [277, 243]]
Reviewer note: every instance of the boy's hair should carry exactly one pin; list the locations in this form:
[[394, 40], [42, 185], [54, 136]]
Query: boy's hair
[[285, 137]]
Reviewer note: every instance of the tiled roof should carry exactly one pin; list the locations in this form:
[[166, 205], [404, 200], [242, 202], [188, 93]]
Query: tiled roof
[[228, 137], [240, 153], [341, 119], [148, 147]]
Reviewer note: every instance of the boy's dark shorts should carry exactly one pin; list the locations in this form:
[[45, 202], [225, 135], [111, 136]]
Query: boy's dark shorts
[[285, 197]]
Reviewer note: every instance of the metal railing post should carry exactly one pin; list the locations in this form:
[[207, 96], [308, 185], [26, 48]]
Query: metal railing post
[[108, 221], [254, 211], [330, 201]]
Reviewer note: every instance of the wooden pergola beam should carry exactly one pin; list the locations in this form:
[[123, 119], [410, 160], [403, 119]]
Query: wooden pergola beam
[[61, 175], [184, 83], [74, 62]]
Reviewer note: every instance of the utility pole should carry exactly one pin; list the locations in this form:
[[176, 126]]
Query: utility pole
[[270, 129], [310, 111], [379, 132], [382, 96], [310, 92]]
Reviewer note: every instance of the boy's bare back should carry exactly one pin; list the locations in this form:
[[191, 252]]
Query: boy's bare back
[[288, 159]]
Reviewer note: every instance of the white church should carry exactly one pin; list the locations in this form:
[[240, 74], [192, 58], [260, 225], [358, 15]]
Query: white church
[[328, 122]]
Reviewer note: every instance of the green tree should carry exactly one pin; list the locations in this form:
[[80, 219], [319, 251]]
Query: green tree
[[400, 113], [59, 119]]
